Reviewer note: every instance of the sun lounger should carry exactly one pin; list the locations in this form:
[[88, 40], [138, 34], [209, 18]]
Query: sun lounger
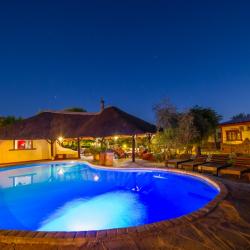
[[240, 166], [175, 162], [216, 163], [193, 165]]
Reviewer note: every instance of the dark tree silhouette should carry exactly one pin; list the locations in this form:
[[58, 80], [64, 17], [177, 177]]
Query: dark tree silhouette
[[241, 117], [8, 120], [206, 121]]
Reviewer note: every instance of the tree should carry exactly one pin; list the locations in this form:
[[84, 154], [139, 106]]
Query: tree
[[167, 123], [75, 109], [182, 130], [165, 142], [8, 120], [205, 121], [186, 132], [177, 130], [241, 117], [166, 115]]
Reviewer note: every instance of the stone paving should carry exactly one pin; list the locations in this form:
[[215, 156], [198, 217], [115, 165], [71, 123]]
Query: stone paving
[[226, 227]]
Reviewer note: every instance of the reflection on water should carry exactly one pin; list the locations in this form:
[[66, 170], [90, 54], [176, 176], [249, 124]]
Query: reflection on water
[[22, 179], [44, 173], [110, 210], [74, 196]]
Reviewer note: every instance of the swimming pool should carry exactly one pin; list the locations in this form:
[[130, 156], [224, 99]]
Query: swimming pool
[[74, 196]]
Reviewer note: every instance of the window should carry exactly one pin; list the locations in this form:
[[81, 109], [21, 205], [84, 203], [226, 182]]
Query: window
[[23, 144], [234, 135]]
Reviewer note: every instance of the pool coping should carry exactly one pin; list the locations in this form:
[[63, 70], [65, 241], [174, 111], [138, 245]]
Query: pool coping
[[83, 237]]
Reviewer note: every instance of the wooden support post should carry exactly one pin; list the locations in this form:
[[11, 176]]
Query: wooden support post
[[133, 148], [79, 148], [102, 141], [52, 148], [149, 141]]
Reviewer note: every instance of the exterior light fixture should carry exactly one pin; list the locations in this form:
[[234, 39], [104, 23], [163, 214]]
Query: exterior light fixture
[[60, 139]]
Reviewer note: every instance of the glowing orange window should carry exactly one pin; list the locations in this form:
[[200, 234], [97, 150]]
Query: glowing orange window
[[23, 144]]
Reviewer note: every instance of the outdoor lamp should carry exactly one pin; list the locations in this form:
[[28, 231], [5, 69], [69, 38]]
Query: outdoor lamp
[[60, 139]]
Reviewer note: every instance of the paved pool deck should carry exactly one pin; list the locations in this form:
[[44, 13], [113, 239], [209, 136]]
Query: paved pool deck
[[227, 226]]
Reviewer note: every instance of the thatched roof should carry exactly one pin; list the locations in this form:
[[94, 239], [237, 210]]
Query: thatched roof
[[51, 125], [113, 121], [46, 125]]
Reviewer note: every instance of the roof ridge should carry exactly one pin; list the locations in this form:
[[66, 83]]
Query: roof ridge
[[235, 122], [69, 112]]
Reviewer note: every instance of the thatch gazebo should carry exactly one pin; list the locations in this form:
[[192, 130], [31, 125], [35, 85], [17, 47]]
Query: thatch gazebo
[[112, 121]]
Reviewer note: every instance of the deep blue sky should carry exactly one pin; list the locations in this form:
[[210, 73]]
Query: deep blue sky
[[57, 54]]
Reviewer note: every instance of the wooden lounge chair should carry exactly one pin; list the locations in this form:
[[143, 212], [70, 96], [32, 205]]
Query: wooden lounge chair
[[193, 165], [216, 163], [240, 166], [175, 162], [120, 153]]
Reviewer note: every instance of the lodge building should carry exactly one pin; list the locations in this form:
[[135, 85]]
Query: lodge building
[[235, 137]]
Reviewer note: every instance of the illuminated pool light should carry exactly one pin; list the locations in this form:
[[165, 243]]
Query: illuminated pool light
[[96, 177], [159, 177], [110, 210]]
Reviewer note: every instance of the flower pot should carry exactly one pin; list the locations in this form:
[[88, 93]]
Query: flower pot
[[102, 158], [96, 157], [109, 157]]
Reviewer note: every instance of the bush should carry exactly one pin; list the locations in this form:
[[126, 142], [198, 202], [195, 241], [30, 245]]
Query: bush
[[159, 157]]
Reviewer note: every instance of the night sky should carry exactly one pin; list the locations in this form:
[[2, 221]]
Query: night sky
[[59, 54]]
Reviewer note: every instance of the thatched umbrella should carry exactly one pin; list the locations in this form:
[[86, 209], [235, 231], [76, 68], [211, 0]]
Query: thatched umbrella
[[113, 121]]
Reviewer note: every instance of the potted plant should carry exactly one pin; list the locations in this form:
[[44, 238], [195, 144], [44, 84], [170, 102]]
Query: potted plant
[[95, 151]]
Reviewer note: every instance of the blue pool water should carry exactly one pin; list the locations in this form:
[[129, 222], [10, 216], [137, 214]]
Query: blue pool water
[[77, 197]]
